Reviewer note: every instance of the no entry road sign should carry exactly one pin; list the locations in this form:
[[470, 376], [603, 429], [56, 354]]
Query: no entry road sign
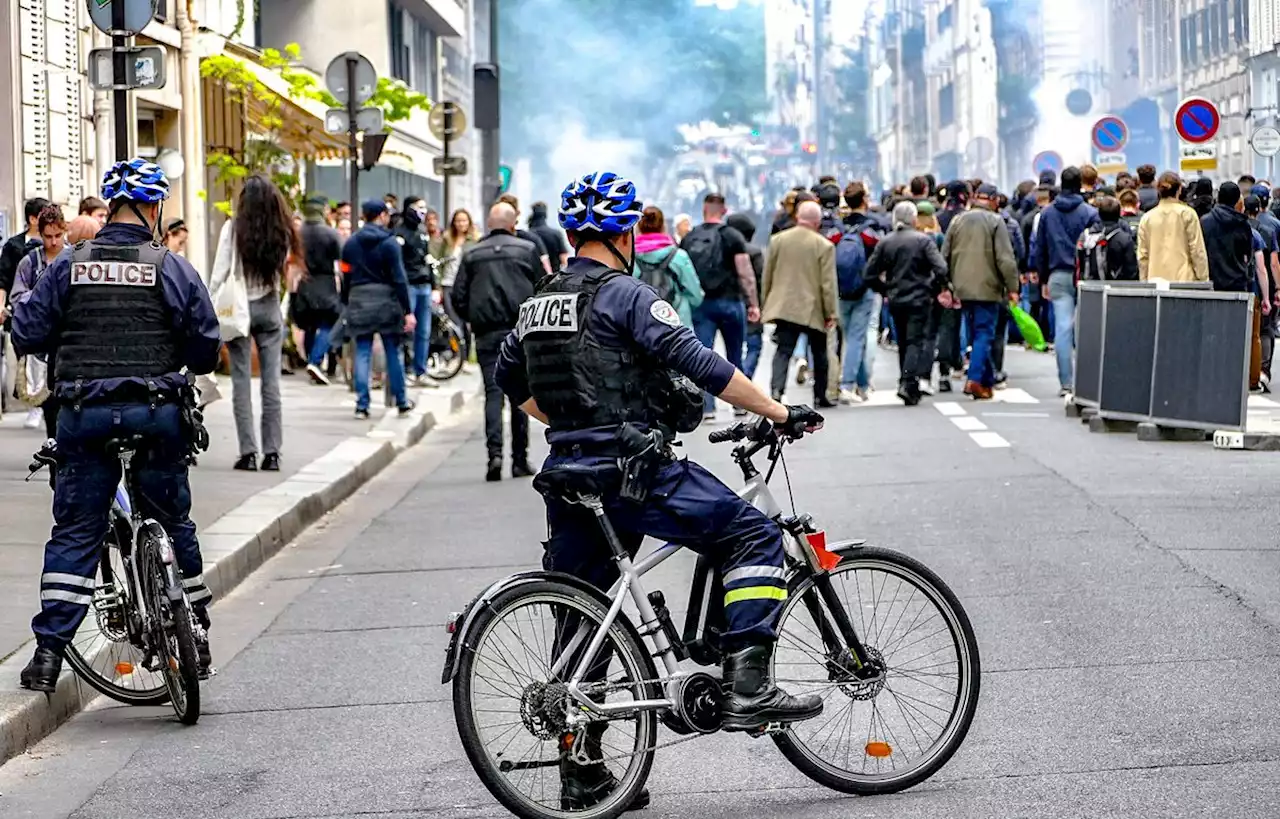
[[1110, 134], [1197, 120]]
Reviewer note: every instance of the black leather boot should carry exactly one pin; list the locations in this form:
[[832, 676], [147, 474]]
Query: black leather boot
[[584, 786], [41, 674], [752, 701]]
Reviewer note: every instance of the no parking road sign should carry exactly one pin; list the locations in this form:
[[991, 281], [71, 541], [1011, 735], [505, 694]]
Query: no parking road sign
[[1197, 120], [1110, 135], [1047, 161]]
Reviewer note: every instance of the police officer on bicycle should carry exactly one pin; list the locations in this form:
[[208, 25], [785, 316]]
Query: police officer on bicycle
[[125, 317], [598, 357]]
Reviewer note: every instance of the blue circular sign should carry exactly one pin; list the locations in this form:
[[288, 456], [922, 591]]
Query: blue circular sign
[[1047, 161], [1079, 102]]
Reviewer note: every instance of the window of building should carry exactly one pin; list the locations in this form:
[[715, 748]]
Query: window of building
[[415, 51], [945, 18], [947, 104], [1242, 22], [1211, 33], [1224, 24], [1205, 52]]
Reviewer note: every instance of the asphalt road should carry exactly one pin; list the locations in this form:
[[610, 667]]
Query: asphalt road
[[1123, 594]]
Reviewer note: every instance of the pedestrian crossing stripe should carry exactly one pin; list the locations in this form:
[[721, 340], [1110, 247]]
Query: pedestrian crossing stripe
[[889, 398]]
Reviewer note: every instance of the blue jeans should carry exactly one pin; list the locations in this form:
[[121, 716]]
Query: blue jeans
[[729, 316], [420, 303], [873, 344], [364, 362], [855, 318], [1062, 291], [981, 317], [751, 358], [319, 345]]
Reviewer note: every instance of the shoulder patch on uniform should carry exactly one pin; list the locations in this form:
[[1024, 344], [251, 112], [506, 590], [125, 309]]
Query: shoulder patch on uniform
[[552, 313], [664, 313]]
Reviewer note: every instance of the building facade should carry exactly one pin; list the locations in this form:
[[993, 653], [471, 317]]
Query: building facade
[[960, 64], [1264, 76], [1214, 49]]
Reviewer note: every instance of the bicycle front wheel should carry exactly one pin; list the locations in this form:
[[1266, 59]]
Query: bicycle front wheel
[[104, 652], [515, 715], [174, 630], [446, 363], [895, 730]]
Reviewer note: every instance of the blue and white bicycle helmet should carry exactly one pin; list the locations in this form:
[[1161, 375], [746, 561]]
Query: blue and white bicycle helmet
[[135, 180], [601, 202]]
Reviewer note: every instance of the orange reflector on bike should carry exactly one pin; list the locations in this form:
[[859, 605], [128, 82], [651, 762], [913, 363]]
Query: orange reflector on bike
[[124, 668], [878, 749], [826, 559], [566, 742]]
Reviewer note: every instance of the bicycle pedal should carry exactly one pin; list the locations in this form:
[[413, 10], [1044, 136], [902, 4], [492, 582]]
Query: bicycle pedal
[[767, 730]]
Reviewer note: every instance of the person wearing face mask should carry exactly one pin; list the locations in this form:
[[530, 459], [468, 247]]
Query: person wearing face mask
[[413, 241]]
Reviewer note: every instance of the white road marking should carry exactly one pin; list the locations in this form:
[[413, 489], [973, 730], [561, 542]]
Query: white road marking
[[968, 423], [1015, 415], [949, 408], [1259, 401], [988, 440], [1014, 395]]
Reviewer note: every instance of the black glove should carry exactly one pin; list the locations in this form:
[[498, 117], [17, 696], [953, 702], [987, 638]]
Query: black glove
[[800, 419]]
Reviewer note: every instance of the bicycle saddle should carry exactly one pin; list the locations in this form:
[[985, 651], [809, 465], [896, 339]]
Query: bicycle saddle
[[573, 481], [131, 443]]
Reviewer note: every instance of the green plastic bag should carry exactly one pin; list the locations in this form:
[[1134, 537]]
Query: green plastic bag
[[1027, 326]]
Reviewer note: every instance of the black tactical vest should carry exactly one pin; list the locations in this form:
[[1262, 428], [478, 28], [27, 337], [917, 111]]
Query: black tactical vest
[[577, 382], [116, 324]]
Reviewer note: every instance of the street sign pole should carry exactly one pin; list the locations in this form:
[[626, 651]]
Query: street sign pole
[[353, 144], [119, 95], [448, 136]]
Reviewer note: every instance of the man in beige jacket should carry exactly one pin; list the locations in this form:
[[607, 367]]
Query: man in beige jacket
[[1170, 242], [799, 293]]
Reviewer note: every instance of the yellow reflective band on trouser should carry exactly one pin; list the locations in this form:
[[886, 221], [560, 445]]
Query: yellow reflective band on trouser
[[754, 593]]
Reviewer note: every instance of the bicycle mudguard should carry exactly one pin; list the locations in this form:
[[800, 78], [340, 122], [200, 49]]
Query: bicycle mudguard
[[461, 624]]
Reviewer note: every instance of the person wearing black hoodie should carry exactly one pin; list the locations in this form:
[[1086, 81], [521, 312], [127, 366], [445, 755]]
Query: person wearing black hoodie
[[1229, 243], [412, 238], [552, 238], [1148, 196], [745, 225], [1202, 196], [1055, 242]]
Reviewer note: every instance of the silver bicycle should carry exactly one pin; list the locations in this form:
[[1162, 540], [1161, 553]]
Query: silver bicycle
[[547, 670]]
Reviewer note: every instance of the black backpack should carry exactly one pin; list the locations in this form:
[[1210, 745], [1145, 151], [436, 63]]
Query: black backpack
[[706, 250], [658, 275]]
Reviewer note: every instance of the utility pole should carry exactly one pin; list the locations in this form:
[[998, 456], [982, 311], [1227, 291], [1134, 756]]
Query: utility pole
[[353, 131], [488, 113], [120, 94]]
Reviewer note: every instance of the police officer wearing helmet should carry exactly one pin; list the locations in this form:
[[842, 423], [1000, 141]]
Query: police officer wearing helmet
[[592, 356], [125, 317]]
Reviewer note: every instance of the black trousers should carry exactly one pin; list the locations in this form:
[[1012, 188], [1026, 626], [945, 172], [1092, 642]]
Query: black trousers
[[488, 346], [785, 336], [1268, 341], [947, 339], [914, 360]]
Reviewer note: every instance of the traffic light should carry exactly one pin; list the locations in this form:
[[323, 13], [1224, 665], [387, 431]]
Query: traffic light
[[810, 147]]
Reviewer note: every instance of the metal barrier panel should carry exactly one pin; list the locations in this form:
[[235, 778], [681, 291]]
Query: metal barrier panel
[[1201, 369], [1090, 318], [1128, 344]]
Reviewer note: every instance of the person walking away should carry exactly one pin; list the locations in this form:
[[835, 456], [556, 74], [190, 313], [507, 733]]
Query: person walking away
[[785, 217], [317, 303], [528, 235], [1060, 227], [375, 291], [495, 278], [719, 254], [414, 250], [858, 302], [33, 373], [984, 274], [799, 292], [1108, 250], [684, 224], [665, 267], [256, 245], [448, 250], [1088, 183], [157, 320], [1171, 243], [745, 225], [1202, 201], [552, 239], [993, 198], [1268, 227], [1148, 194], [1233, 268], [908, 267]]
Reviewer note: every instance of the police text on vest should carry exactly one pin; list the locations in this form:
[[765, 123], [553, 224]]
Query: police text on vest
[[555, 313], [125, 274]]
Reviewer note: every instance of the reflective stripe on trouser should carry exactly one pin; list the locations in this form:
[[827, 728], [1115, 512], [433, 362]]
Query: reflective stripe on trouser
[[197, 591], [86, 484], [690, 506]]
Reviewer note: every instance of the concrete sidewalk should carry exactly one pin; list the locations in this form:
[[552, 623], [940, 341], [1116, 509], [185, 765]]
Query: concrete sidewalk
[[243, 517]]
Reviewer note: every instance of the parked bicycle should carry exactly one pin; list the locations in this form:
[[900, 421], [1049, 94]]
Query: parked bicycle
[[544, 664], [137, 644]]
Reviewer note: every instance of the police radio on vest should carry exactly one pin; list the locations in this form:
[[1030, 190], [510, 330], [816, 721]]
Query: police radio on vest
[[555, 313], [125, 274]]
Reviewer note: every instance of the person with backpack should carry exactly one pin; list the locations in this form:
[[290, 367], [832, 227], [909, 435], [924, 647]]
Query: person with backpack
[[857, 300], [665, 267], [755, 329], [1058, 231], [1107, 251], [719, 255]]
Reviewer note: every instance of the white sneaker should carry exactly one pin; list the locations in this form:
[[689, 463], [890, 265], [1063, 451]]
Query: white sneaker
[[317, 375], [864, 393], [34, 419], [849, 397], [926, 387]]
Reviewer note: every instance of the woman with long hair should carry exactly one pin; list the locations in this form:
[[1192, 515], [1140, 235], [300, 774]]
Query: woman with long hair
[[448, 249], [256, 245]]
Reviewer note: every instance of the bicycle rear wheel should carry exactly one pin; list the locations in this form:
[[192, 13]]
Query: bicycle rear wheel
[[102, 652], [513, 711], [894, 731], [447, 363], [174, 629]]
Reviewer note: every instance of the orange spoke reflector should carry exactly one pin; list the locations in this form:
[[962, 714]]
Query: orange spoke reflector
[[878, 749], [124, 668], [566, 742], [173, 664]]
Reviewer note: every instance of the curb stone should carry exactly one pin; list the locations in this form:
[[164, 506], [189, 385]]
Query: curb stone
[[236, 545]]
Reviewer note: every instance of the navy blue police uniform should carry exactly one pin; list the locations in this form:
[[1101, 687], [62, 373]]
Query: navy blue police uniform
[[125, 317], [600, 342]]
